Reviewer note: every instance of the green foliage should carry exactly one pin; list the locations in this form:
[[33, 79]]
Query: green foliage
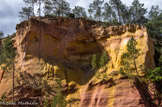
[[30, 3], [1, 34], [79, 11], [7, 53], [3, 97], [99, 60], [95, 9], [155, 75], [104, 59], [137, 12], [108, 14], [129, 57], [26, 13], [154, 12], [160, 61], [94, 62], [58, 100], [70, 15], [56, 7], [116, 5]]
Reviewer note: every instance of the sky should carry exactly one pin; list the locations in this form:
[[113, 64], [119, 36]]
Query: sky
[[9, 11]]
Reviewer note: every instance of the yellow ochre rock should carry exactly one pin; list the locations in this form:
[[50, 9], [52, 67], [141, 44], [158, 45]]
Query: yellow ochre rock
[[63, 48]]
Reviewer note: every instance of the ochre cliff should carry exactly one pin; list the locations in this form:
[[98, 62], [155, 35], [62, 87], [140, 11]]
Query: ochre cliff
[[63, 48]]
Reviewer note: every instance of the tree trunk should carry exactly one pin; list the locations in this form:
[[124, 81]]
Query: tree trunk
[[39, 7], [135, 67], [33, 7], [13, 83]]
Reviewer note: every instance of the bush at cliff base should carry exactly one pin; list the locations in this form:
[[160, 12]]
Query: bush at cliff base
[[155, 75]]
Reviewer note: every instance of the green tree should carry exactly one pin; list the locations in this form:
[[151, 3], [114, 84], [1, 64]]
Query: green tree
[[1, 34], [26, 13], [94, 62], [154, 12], [99, 60], [104, 59], [79, 11], [7, 57], [95, 9], [155, 75], [39, 2], [138, 12], [56, 7], [129, 58], [108, 14], [31, 3], [59, 99], [125, 14], [116, 5], [48, 7]]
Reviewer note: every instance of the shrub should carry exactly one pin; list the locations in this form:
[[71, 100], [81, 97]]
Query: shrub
[[99, 60], [155, 75], [59, 99], [104, 59], [94, 61]]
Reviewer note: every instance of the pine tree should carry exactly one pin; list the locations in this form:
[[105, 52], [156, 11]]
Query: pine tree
[[104, 59], [137, 12], [154, 25], [25, 14], [129, 57], [57, 7], [31, 3], [108, 14], [79, 11], [125, 14], [48, 7], [116, 5], [95, 9], [39, 6], [94, 62], [1, 34]]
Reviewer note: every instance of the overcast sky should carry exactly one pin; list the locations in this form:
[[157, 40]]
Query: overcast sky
[[9, 11]]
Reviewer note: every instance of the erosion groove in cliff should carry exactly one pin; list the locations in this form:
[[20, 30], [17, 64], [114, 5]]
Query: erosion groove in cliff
[[63, 48]]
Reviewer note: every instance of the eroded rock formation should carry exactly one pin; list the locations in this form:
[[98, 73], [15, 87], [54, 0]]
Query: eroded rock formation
[[62, 47]]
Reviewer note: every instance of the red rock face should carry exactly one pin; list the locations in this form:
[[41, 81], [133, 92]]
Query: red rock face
[[118, 93], [69, 44]]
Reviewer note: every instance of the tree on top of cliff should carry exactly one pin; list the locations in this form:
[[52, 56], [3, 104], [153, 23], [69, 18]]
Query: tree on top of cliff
[[137, 12], [108, 13], [26, 13], [116, 4], [31, 3], [39, 4], [56, 7], [79, 11], [1, 34], [129, 57], [96, 9]]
